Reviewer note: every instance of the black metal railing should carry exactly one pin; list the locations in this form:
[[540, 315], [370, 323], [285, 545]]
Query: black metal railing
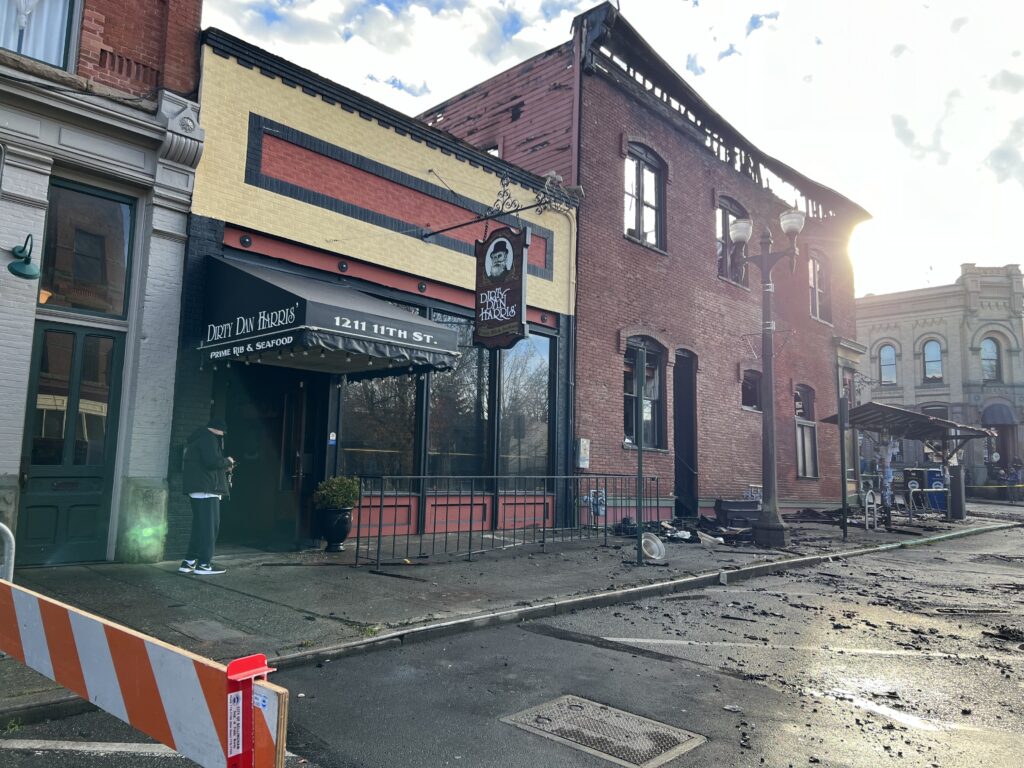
[[403, 518]]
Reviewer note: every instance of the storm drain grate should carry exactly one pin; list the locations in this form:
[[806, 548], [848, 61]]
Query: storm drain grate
[[621, 737]]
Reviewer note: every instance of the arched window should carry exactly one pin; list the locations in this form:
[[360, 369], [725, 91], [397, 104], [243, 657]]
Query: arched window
[[806, 432], [750, 390], [817, 280], [932, 362], [887, 364], [644, 217], [652, 415], [729, 254], [991, 365]]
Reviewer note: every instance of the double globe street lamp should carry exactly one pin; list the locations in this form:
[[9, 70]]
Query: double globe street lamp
[[769, 531]]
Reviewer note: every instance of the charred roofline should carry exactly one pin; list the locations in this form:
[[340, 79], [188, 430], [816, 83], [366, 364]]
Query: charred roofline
[[606, 39], [312, 84]]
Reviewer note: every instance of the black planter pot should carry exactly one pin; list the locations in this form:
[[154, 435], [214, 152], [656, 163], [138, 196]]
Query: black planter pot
[[335, 526]]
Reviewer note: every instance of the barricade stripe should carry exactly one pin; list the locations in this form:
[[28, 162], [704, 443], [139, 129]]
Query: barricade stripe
[[10, 636], [97, 665], [138, 686], [33, 637], [185, 705], [63, 651], [215, 689]]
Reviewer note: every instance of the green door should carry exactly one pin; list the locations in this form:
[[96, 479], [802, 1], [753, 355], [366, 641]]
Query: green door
[[70, 444]]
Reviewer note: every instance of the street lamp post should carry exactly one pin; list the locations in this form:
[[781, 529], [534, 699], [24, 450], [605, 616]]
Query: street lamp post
[[769, 531]]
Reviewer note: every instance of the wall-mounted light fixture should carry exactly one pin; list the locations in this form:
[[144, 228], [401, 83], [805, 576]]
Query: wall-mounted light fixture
[[23, 267]]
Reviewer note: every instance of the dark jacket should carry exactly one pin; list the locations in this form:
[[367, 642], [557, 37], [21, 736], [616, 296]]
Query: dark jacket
[[204, 465]]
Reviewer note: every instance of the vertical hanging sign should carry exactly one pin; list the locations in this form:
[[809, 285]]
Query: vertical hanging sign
[[501, 288]]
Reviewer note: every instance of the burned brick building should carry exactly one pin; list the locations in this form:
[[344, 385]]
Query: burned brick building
[[665, 175]]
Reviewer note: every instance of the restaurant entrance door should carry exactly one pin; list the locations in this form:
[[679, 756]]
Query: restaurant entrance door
[[274, 417]]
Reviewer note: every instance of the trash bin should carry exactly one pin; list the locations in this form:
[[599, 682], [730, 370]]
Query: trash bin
[[957, 502], [936, 488]]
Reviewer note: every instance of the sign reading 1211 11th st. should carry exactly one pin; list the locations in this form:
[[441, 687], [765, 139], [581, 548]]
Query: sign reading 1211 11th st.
[[501, 288]]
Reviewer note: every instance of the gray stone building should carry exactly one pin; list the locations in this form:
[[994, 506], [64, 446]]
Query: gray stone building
[[952, 351], [99, 138]]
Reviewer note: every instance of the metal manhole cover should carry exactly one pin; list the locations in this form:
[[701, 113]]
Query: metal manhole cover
[[620, 737]]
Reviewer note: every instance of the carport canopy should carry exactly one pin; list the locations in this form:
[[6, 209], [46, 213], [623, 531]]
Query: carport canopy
[[904, 423]]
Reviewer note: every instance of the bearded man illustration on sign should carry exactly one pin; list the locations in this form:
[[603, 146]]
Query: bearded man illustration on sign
[[499, 258]]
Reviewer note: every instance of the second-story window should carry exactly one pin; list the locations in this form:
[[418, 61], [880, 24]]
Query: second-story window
[[887, 364], [730, 255], [644, 213], [39, 29], [991, 365], [817, 279], [932, 362]]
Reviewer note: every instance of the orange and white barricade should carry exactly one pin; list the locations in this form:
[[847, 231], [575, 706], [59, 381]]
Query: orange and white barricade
[[217, 716]]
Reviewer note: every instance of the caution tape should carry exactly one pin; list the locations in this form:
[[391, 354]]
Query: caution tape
[[176, 697]]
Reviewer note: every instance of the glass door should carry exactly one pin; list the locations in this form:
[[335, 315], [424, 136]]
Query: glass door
[[69, 445]]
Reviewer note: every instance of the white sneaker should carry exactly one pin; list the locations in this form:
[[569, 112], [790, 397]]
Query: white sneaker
[[187, 566], [206, 569]]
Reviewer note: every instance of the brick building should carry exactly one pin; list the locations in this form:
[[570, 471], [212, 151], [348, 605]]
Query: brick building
[[328, 234], [656, 268], [951, 351], [99, 138]]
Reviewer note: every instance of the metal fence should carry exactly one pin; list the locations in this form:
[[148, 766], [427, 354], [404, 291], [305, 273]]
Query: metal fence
[[403, 518]]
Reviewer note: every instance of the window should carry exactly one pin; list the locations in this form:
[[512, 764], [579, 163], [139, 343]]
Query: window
[[525, 401], [653, 411], [806, 432], [87, 255], [730, 255], [750, 390], [938, 411], [932, 362], [887, 364], [645, 207], [38, 29], [991, 367], [817, 280]]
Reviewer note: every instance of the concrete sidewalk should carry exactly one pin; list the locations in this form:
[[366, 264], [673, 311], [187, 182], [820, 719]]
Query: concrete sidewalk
[[309, 604]]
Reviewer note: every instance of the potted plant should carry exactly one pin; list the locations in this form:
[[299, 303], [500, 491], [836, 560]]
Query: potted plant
[[333, 499]]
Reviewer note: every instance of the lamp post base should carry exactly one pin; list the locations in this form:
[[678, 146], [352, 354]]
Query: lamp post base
[[773, 535]]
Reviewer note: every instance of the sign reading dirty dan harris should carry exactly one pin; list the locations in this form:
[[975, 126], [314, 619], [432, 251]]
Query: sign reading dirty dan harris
[[501, 288]]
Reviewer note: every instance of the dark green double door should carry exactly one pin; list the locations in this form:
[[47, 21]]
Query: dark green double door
[[70, 444]]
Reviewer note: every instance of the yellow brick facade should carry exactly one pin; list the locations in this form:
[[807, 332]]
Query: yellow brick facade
[[230, 92]]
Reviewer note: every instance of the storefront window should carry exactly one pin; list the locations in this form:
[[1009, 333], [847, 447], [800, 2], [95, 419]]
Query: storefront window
[[94, 400], [86, 258], [56, 357], [525, 387], [459, 432], [379, 426]]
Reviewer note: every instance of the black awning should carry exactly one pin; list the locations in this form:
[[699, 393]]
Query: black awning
[[997, 415], [261, 314]]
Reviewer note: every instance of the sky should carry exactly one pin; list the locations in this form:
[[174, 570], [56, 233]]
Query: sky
[[913, 110]]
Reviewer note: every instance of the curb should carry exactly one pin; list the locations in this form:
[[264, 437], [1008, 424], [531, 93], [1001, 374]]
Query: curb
[[63, 704]]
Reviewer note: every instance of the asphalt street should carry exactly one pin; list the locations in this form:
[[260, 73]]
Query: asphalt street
[[912, 657]]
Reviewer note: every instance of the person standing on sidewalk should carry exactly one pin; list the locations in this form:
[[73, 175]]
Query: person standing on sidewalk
[[205, 480]]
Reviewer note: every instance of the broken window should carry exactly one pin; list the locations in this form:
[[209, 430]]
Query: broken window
[[730, 255], [750, 390], [806, 432], [653, 410], [817, 279], [644, 211]]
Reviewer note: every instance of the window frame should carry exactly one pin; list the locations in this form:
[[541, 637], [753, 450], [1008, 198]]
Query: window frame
[[644, 158], [726, 211], [653, 352], [755, 376], [998, 360], [806, 460], [883, 365], [72, 33], [819, 285], [925, 378]]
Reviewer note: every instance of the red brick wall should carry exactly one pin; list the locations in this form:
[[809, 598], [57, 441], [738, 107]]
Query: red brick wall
[[525, 111], [678, 298], [139, 46]]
